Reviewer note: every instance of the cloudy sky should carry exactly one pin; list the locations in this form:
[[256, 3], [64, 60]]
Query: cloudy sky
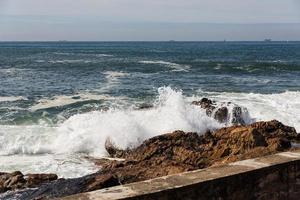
[[149, 20]]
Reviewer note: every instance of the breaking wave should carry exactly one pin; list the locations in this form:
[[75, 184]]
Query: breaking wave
[[86, 133], [175, 66]]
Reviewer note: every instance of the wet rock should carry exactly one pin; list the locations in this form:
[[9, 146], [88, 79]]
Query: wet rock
[[112, 150], [227, 113], [33, 180], [16, 180], [199, 151], [145, 106], [103, 181], [206, 104]]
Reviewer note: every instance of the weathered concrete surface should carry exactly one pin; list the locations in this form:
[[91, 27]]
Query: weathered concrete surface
[[270, 177]]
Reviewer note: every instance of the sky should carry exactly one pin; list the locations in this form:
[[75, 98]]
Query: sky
[[118, 20]]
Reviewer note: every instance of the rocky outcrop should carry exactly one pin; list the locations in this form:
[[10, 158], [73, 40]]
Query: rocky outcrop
[[193, 151], [16, 180], [226, 113], [174, 153]]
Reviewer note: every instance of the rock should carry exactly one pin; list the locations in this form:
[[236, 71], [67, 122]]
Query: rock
[[16, 180], [227, 113], [112, 150], [206, 104], [33, 180], [104, 181], [172, 153], [145, 106]]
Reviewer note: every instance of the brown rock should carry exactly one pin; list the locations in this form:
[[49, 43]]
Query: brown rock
[[175, 153], [33, 180], [16, 180], [103, 181], [112, 150], [179, 151]]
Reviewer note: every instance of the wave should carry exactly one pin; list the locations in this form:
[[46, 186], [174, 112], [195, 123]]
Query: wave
[[83, 54], [7, 70], [175, 66], [114, 74], [86, 133], [82, 134], [70, 166], [69, 61], [58, 101], [12, 98], [284, 107], [112, 80]]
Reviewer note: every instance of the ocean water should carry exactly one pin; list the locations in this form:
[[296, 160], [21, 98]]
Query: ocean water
[[60, 101]]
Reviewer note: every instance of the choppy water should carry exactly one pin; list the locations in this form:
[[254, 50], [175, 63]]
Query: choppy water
[[60, 101]]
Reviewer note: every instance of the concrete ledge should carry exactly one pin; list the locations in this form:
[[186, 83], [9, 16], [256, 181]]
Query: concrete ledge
[[271, 177]]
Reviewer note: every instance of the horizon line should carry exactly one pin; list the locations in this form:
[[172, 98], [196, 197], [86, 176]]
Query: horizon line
[[170, 41]]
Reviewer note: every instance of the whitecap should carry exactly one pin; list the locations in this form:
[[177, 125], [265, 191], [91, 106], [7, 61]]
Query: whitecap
[[86, 133], [63, 100], [175, 66], [284, 107], [12, 98]]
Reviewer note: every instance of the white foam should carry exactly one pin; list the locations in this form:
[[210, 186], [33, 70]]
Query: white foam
[[284, 107], [67, 166], [86, 133], [112, 80], [12, 98], [113, 75], [64, 100], [103, 55], [69, 61], [29, 149], [83, 54], [175, 66], [12, 70]]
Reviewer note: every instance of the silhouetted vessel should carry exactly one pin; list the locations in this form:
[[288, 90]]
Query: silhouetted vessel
[[268, 40]]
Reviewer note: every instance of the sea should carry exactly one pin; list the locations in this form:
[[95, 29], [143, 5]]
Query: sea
[[60, 101]]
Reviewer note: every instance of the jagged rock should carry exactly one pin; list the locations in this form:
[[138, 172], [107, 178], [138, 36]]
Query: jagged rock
[[201, 151], [16, 180], [33, 180], [173, 153], [221, 112], [112, 150]]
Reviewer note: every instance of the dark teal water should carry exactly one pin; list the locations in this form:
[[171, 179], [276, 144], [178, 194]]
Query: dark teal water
[[35, 72]]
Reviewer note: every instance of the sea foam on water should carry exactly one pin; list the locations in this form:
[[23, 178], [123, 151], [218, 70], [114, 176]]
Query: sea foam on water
[[82, 134], [86, 133]]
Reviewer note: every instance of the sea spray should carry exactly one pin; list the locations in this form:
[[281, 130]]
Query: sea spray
[[86, 133], [284, 107], [82, 134]]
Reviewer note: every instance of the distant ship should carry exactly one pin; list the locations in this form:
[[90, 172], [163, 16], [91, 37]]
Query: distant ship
[[268, 40]]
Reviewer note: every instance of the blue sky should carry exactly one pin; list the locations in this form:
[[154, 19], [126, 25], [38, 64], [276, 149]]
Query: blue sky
[[149, 20]]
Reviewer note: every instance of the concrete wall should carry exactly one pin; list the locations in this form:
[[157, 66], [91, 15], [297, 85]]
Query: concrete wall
[[265, 178]]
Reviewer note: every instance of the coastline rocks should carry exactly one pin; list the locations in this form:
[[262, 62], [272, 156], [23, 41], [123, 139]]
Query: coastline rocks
[[170, 153], [16, 180], [227, 113], [193, 151]]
